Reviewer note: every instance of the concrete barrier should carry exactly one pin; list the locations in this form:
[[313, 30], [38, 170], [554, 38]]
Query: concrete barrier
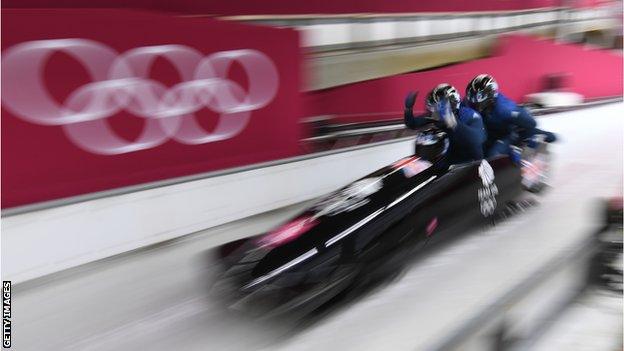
[[41, 242]]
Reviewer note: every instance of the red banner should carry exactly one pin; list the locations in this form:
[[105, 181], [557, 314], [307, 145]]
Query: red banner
[[285, 7], [99, 99], [519, 64]]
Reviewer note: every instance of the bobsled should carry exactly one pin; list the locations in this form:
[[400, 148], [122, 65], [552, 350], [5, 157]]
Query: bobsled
[[369, 229]]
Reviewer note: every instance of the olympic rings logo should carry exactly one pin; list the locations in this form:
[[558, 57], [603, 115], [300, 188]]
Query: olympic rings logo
[[120, 82]]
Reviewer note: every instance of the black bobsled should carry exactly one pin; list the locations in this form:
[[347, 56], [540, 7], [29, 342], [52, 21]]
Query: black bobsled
[[367, 229]]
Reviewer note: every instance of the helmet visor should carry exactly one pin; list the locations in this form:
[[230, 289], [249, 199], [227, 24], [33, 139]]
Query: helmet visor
[[480, 96]]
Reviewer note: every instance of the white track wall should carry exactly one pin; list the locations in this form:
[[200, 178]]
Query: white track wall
[[41, 242], [324, 31]]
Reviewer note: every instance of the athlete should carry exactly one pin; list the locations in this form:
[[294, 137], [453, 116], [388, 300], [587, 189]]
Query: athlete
[[506, 123], [463, 125]]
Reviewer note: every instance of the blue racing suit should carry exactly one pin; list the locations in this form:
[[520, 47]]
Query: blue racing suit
[[508, 124], [465, 139]]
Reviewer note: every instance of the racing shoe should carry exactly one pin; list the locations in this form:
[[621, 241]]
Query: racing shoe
[[535, 165]]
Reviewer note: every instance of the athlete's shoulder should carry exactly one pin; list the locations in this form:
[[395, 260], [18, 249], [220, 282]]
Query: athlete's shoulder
[[504, 101], [504, 106], [467, 112]]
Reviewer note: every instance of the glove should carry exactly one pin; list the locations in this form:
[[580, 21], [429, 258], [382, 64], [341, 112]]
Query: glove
[[410, 99], [515, 154], [446, 116], [535, 140]]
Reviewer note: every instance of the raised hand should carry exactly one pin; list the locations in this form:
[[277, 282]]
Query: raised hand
[[410, 99], [446, 115]]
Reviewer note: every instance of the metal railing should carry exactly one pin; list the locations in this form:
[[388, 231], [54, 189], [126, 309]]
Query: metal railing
[[322, 33]]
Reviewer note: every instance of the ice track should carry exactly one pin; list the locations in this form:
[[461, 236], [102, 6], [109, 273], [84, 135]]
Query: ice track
[[156, 299]]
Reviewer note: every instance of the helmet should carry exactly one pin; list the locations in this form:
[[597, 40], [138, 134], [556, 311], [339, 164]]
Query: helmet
[[482, 90], [442, 91], [431, 144]]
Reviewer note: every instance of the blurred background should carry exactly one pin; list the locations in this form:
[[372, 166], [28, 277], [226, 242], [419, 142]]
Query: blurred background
[[125, 162]]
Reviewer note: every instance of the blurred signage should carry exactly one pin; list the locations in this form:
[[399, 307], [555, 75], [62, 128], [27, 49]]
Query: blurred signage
[[98, 99], [122, 83]]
